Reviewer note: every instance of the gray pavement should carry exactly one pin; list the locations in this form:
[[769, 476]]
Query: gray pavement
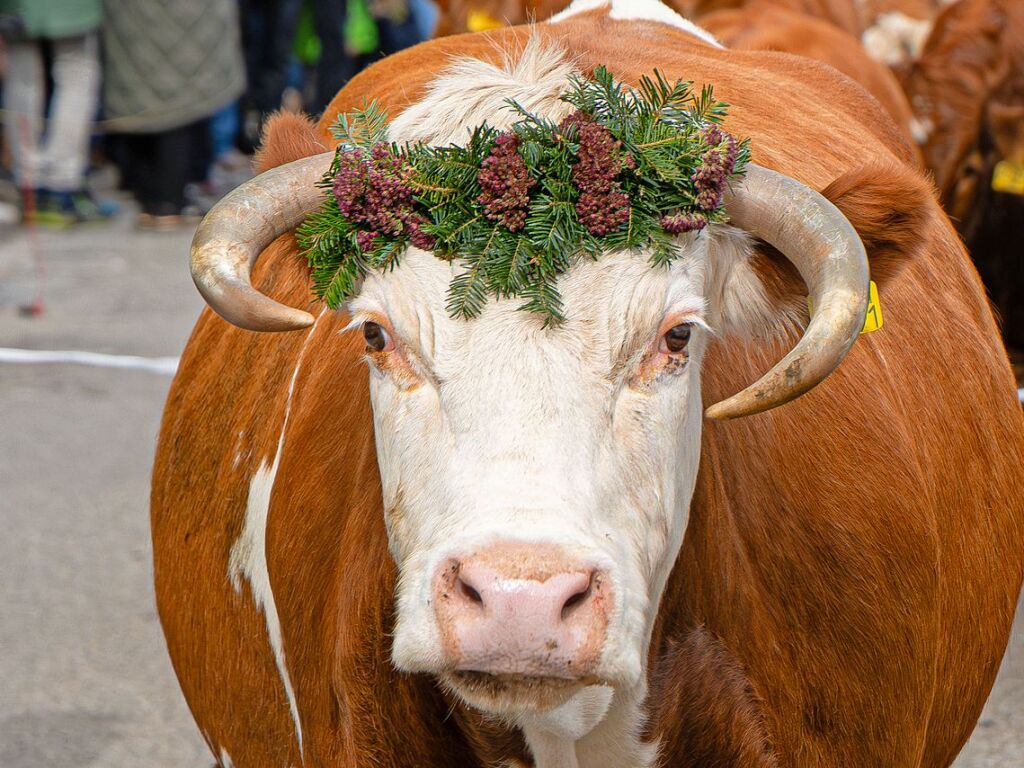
[[84, 676]]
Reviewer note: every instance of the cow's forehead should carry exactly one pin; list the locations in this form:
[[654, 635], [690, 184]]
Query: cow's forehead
[[471, 91]]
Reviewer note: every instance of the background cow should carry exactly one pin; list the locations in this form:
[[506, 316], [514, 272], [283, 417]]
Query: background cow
[[967, 91], [851, 561], [770, 27]]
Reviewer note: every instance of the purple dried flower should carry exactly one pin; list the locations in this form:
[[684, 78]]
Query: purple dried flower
[[413, 225], [506, 183], [374, 194], [678, 223], [602, 206], [350, 182], [573, 119], [711, 135], [716, 165], [602, 213], [365, 240]]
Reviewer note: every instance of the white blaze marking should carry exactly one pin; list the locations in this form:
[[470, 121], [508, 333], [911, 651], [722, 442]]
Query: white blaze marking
[[639, 10], [249, 553], [225, 759], [164, 365]]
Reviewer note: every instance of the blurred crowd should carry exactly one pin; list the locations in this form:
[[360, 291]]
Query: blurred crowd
[[165, 99]]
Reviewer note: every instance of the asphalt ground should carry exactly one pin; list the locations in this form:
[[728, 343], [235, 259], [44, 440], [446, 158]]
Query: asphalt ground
[[84, 675]]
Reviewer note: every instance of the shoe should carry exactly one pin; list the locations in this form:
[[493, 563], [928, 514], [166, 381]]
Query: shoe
[[64, 209], [44, 209], [83, 206]]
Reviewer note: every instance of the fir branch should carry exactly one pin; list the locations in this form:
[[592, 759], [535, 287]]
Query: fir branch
[[362, 127], [662, 128]]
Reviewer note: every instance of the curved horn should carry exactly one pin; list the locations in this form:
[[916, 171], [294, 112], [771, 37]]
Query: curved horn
[[236, 230], [827, 252]]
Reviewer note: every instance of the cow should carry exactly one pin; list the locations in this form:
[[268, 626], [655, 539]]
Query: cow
[[501, 544], [769, 26], [967, 91]]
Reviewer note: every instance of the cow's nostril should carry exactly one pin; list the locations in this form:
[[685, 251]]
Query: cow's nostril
[[577, 599], [470, 593]]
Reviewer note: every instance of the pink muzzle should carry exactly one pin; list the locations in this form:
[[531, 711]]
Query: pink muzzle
[[522, 609]]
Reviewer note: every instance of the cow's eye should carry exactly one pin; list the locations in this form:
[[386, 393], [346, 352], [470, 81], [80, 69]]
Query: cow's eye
[[376, 337], [676, 338]]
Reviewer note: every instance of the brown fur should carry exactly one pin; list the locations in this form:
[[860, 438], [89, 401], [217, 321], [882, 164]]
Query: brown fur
[[824, 609], [827, 31], [887, 203], [455, 14], [720, 721], [287, 137], [763, 26], [969, 85], [963, 63]]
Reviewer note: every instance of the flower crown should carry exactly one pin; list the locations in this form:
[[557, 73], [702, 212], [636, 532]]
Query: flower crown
[[625, 170]]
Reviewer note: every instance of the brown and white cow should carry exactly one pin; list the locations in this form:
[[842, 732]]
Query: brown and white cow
[[505, 545]]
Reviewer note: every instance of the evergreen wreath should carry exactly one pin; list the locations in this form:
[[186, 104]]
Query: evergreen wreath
[[628, 169]]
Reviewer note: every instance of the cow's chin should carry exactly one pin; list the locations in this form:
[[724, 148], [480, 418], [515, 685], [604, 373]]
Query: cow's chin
[[513, 693]]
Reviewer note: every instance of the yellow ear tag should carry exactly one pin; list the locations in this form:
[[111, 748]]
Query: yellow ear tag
[[873, 321], [1008, 176], [480, 21]]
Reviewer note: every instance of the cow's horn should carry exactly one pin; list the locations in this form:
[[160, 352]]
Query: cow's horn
[[237, 229], [824, 247]]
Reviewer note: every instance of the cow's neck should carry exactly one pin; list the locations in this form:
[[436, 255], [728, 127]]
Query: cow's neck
[[593, 730]]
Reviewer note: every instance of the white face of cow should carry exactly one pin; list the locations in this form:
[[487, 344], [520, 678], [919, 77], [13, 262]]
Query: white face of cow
[[536, 481]]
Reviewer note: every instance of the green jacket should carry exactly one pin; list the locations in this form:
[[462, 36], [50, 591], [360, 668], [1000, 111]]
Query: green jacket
[[54, 19]]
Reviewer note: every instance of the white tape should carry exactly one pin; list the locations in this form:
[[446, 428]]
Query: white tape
[[163, 365]]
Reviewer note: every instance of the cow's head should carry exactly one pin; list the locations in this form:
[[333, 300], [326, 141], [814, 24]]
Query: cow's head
[[537, 481]]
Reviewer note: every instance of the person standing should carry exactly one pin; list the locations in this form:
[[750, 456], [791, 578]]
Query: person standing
[[169, 65], [50, 147], [268, 36]]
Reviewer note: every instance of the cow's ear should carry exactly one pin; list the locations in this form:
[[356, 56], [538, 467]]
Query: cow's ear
[[889, 205], [287, 136], [760, 292]]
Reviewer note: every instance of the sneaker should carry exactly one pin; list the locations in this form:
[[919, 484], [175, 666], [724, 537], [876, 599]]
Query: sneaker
[[45, 209], [83, 206]]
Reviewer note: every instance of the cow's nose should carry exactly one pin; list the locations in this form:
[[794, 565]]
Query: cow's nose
[[510, 600], [522, 610]]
